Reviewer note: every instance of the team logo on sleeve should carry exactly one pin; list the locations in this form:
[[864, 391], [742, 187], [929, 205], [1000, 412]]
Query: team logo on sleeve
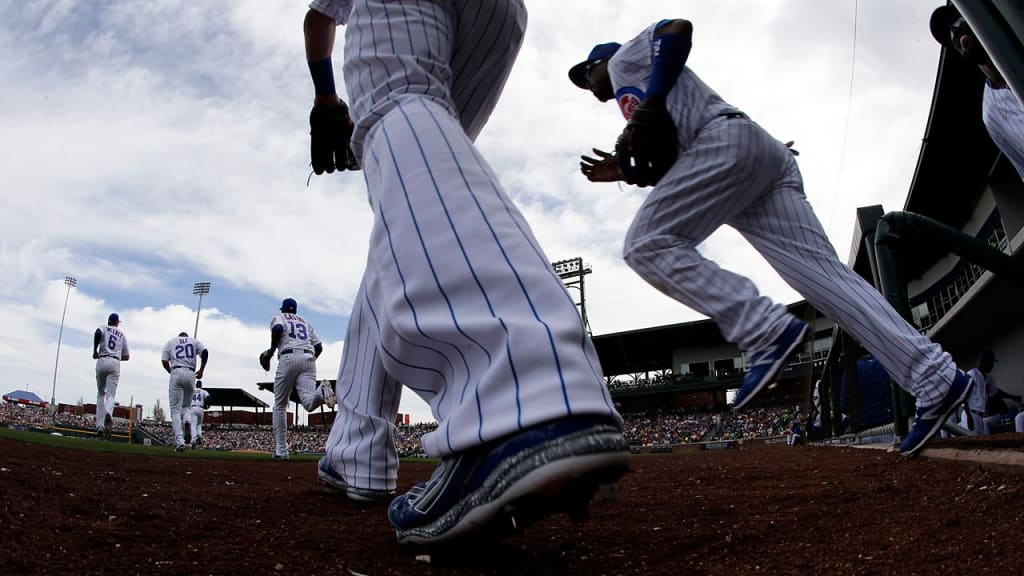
[[628, 98]]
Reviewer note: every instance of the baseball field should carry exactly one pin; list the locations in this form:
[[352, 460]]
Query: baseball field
[[86, 507]]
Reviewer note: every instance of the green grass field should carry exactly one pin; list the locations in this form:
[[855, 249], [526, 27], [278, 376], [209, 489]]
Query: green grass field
[[95, 445], [44, 439]]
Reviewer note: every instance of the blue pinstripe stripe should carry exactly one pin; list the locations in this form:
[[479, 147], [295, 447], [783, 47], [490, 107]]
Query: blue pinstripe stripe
[[427, 257], [508, 262]]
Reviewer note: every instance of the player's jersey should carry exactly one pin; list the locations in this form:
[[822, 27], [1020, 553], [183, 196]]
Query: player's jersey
[[336, 9], [181, 352], [298, 334], [113, 343], [199, 398], [691, 103], [984, 387], [1003, 116]]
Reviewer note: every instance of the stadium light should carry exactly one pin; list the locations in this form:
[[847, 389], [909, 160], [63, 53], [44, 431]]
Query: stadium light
[[199, 288], [70, 282]]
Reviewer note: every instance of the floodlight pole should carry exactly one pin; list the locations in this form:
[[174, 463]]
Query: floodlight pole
[[70, 282], [199, 288]]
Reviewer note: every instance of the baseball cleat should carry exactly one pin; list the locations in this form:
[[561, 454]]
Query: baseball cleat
[[179, 448], [334, 483], [930, 418], [766, 363], [499, 488]]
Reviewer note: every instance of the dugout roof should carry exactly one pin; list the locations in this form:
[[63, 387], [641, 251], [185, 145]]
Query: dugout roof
[[234, 398], [650, 349]]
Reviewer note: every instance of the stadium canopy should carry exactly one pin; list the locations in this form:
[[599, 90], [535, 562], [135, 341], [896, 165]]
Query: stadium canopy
[[650, 349], [234, 398], [25, 397]]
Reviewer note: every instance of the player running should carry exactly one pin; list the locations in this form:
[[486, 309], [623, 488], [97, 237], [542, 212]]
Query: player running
[[297, 347], [730, 171], [458, 301], [109, 349], [179, 360]]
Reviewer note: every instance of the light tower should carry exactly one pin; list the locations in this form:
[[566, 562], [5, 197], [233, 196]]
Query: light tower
[[70, 282], [571, 272], [199, 288]]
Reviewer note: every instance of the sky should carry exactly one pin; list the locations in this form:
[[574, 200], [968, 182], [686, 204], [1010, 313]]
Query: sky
[[146, 145]]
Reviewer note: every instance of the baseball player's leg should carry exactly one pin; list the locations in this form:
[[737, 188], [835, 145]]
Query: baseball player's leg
[[311, 396], [360, 448], [1018, 422], [101, 385], [784, 229], [174, 400], [110, 393], [724, 170], [481, 323], [284, 381], [197, 423], [479, 74]]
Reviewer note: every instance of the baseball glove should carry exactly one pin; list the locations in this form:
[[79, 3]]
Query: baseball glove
[[647, 147], [265, 357], [330, 129]]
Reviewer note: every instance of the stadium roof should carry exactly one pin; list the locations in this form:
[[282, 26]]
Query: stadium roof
[[24, 397], [234, 398], [650, 349]]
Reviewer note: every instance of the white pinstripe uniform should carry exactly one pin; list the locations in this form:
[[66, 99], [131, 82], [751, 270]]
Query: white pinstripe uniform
[[977, 401], [730, 171], [112, 348], [1003, 116], [181, 353], [296, 369], [196, 412], [458, 301]]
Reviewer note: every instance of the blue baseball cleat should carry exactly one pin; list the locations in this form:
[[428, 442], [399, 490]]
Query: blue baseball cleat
[[766, 363], [334, 483], [496, 489], [930, 418]]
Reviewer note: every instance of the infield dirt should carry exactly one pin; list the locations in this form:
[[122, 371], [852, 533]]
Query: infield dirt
[[770, 510]]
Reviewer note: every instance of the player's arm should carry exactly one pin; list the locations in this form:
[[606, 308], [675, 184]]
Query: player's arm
[[330, 126], [319, 30], [97, 338], [318, 348], [203, 357], [669, 52], [124, 350], [167, 365], [276, 333]]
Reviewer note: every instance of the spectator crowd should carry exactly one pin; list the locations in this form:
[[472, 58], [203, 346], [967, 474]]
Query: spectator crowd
[[660, 428]]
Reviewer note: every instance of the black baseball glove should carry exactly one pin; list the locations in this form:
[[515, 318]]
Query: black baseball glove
[[330, 129], [647, 147], [265, 357]]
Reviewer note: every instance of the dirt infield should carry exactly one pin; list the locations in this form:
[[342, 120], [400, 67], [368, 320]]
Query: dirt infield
[[772, 510]]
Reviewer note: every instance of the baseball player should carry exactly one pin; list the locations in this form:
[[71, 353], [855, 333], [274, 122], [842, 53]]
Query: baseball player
[[109, 349], [200, 403], [179, 360], [297, 347], [1001, 110], [730, 171], [458, 301]]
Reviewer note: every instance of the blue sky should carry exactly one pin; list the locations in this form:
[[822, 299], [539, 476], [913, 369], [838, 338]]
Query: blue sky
[[148, 145]]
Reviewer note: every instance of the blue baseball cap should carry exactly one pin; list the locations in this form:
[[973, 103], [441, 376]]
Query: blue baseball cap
[[578, 73], [113, 319], [289, 305]]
